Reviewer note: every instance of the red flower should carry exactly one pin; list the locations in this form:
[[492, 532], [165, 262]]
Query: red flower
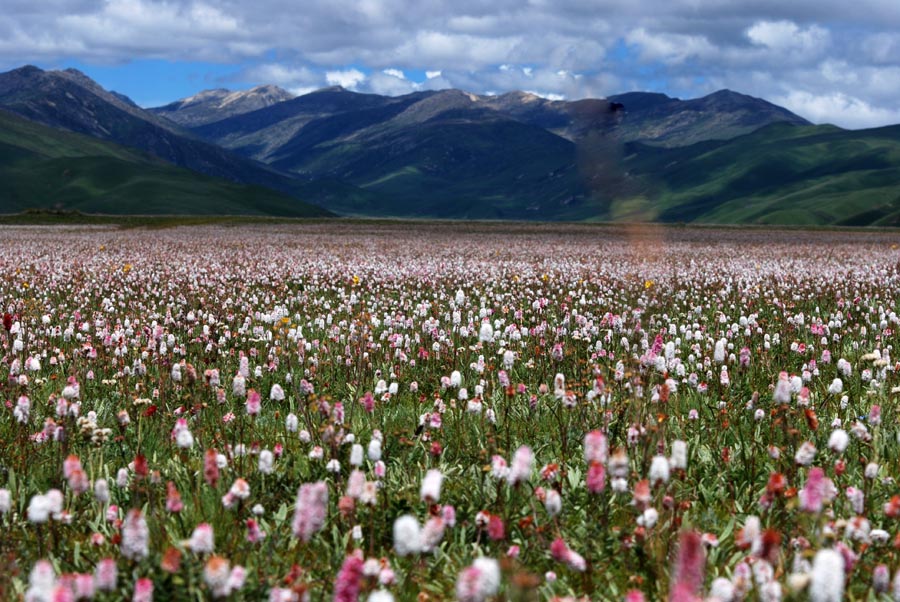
[[7, 321], [141, 468]]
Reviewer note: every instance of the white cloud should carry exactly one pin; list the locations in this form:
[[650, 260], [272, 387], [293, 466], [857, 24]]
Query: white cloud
[[837, 108], [350, 78], [282, 75], [841, 54], [787, 36], [302, 90], [547, 95], [882, 47], [124, 28], [390, 82], [669, 48], [394, 73]]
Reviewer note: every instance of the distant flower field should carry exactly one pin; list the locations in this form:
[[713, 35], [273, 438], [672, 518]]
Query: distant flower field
[[449, 411]]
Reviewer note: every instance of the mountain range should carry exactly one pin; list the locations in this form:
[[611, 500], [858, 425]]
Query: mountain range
[[726, 157]]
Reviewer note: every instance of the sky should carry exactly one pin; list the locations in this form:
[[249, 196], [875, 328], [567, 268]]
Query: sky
[[827, 60]]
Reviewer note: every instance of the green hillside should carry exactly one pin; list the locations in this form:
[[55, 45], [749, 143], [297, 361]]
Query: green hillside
[[780, 174], [42, 167]]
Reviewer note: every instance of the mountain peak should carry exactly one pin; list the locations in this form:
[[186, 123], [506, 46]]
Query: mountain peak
[[27, 71], [220, 103]]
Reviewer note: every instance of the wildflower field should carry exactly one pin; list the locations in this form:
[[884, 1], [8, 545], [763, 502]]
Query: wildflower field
[[449, 411]]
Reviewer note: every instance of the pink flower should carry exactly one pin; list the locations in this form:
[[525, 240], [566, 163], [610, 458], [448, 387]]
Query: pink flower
[[135, 536], [496, 530], [449, 515], [254, 534], [346, 584], [813, 493], [84, 586], [522, 463], [559, 550], [368, 402], [596, 447], [689, 568], [596, 478], [173, 498], [202, 540], [478, 581], [875, 415], [70, 465], [210, 467], [310, 510], [106, 575], [143, 590], [253, 402], [561, 553]]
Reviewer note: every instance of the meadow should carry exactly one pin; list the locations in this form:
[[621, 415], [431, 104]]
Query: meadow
[[437, 411]]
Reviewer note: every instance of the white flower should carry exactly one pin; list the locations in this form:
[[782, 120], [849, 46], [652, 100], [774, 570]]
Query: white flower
[[523, 461], [239, 386], [679, 455], [291, 423], [721, 589], [479, 581], [266, 461], [39, 508], [836, 387], [827, 578], [356, 455], [871, 470], [805, 454], [184, 439], [407, 535], [486, 334], [277, 393], [42, 583], [648, 518], [838, 441], [552, 502], [202, 540], [431, 486], [374, 451], [659, 470], [101, 491], [719, 353]]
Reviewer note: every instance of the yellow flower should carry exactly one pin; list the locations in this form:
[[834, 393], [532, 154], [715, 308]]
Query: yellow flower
[[355, 280], [648, 283], [126, 268]]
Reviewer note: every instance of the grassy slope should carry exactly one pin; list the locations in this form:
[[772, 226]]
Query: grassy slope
[[454, 168], [42, 168], [780, 174]]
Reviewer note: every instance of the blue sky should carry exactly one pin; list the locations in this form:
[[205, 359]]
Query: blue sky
[[829, 61]]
